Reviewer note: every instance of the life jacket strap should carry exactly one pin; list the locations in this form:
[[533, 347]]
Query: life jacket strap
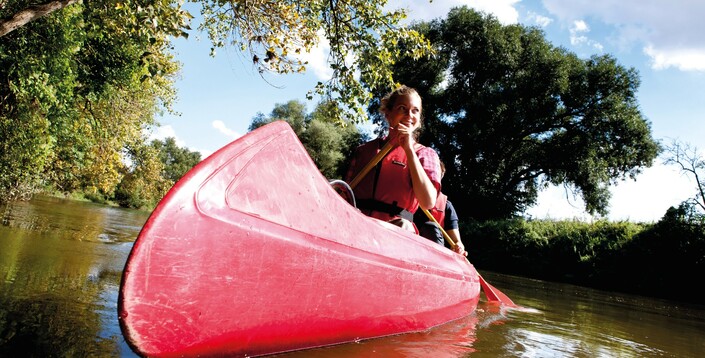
[[391, 209]]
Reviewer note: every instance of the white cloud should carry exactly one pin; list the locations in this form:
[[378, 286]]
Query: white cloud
[[577, 37], [558, 203], [682, 59], [638, 201], [317, 59], [540, 20], [670, 32], [579, 26], [167, 131], [164, 132], [222, 128]]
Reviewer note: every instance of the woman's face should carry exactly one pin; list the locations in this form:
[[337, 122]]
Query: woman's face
[[406, 110]]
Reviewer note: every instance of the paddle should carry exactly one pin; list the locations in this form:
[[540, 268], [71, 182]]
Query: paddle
[[373, 162], [491, 292]]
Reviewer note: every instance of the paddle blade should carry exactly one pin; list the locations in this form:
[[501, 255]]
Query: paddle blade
[[495, 295]]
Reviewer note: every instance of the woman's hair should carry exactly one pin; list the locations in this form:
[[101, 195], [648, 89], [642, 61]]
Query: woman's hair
[[387, 103]]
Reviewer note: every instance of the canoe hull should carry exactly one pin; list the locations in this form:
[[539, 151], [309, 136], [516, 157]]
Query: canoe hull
[[253, 253]]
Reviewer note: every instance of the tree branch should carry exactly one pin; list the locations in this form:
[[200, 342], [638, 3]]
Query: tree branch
[[32, 13], [687, 158]]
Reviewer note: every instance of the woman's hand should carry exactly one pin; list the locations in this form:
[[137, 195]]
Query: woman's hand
[[460, 248], [405, 137]]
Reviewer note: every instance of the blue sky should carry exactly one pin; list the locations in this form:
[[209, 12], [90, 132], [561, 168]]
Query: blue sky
[[218, 97]]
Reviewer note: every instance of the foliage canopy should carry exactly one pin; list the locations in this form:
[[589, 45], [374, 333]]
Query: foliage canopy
[[511, 114], [81, 81], [361, 37], [78, 87]]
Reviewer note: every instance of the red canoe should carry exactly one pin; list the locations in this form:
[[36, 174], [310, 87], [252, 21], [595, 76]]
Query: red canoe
[[252, 253]]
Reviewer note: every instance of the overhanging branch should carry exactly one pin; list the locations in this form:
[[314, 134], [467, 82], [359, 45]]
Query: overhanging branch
[[30, 14]]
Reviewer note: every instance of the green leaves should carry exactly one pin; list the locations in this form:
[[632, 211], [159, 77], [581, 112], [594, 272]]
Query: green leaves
[[517, 113], [276, 34], [80, 84], [93, 74]]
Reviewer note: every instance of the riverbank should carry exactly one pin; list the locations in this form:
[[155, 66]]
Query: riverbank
[[656, 260], [90, 197]]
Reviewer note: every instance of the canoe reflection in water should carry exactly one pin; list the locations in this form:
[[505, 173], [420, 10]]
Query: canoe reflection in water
[[450, 340]]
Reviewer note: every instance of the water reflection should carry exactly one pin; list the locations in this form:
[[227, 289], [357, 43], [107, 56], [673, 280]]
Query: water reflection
[[580, 322], [453, 339], [73, 220], [60, 279]]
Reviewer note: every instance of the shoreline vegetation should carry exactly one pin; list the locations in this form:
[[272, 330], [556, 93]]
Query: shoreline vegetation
[[90, 198], [650, 259]]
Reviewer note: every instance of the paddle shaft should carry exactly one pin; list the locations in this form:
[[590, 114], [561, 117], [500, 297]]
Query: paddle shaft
[[491, 292], [450, 241], [391, 143]]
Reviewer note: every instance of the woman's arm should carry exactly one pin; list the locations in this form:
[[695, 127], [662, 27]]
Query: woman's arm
[[424, 188]]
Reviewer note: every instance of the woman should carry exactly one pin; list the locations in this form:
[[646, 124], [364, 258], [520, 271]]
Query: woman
[[409, 176]]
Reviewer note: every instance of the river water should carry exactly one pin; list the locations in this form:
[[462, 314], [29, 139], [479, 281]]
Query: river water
[[61, 263]]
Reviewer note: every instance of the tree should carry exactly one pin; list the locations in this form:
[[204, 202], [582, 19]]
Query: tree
[[76, 87], [361, 36], [143, 184], [327, 143], [518, 114], [293, 112], [31, 13], [154, 169], [176, 160], [690, 162], [330, 145]]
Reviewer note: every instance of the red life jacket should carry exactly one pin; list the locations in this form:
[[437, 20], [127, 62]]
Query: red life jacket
[[438, 211], [389, 183]]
